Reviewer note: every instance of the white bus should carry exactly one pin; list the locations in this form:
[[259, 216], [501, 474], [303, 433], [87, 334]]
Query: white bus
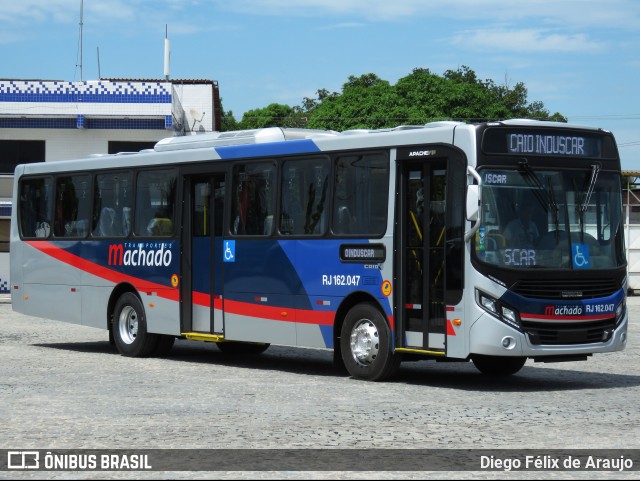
[[380, 245], [6, 190]]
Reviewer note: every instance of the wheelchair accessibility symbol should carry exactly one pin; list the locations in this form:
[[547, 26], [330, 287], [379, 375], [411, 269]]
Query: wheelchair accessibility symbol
[[229, 253], [580, 256]]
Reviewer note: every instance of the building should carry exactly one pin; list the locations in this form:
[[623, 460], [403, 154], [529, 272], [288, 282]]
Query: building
[[48, 120]]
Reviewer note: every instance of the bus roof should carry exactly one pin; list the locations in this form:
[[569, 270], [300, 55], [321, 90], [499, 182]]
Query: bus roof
[[275, 141]]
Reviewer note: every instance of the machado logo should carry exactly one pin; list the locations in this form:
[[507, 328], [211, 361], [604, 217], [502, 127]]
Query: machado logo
[[563, 310], [150, 254]]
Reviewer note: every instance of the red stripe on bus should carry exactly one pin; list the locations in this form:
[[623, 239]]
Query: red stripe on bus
[[104, 273], [525, 316], [450, 330], [275, 313], [304, 316]]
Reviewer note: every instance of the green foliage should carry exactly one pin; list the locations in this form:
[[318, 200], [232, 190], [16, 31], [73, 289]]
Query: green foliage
[[370, 102], [273, 115], [228, 122]]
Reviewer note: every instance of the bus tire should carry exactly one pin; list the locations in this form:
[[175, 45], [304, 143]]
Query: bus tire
[[242, 348], [365, 344], [498, 365], [130, 328]]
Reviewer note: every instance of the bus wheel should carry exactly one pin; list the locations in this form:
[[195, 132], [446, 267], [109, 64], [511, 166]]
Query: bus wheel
[[130, 328], [498, 365], [242, 348], [365, 343]]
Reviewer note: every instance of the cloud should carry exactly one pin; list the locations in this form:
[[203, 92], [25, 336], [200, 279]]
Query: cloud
[[568, 13], [344, 25], [26, 12], [527, 40]]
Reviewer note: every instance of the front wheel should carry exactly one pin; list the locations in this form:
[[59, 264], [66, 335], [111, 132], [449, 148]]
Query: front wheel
[[130, 328], [365, 344], [498, 365]]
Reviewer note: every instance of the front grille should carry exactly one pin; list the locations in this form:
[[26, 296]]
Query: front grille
[[569, 333], [566, 288]]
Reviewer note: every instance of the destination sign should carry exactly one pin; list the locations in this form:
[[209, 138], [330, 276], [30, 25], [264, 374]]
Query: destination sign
[[362, 253], [547, 143]]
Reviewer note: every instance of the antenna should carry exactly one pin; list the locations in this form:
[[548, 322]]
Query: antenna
[[166, 53], [81, 16], [98, 51]]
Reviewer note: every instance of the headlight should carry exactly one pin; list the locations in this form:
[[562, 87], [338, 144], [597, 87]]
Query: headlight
[[505, 313], [488, 303], [510, 315], [620, 311]]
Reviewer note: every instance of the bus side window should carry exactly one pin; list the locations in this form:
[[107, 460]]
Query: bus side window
[[360, 194], [253, 200], [72, 206], [35, 207], [304, 197], [155, 203], [111, 198]]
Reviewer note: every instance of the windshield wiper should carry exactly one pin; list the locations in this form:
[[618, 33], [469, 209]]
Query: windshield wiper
[[554, 206], [536, 185], [595, 169], [584, 204]]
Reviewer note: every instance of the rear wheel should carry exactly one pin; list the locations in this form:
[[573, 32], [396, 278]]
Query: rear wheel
[[130, 328], [365, 344], [498, 365]]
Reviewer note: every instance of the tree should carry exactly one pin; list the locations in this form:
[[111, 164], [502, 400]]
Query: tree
[[369, 102], [273, 115], [227, 120], [364, 103], [420, 97]]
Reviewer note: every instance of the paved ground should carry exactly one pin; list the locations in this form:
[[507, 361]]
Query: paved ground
[[63, 387]]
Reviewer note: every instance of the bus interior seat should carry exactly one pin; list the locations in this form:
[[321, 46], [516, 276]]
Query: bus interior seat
[[160, 226], [126, 220], [343, 220], [42, 229], [105, 222], [268, 224]]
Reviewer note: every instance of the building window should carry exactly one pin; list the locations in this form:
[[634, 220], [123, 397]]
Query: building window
[[116, 147], [14, 152]]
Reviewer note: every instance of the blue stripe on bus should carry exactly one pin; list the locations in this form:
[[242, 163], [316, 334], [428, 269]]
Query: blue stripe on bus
[[303, 146]]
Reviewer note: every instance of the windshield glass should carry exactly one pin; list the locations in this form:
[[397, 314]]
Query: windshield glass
[[568, 219]]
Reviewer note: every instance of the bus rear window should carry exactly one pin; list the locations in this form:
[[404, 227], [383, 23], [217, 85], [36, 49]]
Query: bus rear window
[[35, 205]]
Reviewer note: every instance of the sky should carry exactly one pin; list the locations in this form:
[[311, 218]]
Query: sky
[[581, 58]]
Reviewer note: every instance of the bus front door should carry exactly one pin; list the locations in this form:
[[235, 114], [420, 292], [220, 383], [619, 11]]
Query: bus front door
[[202, 288], [422, 323]]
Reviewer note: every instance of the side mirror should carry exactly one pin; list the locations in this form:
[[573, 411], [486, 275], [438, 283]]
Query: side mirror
[[473, 202], [474, 199]]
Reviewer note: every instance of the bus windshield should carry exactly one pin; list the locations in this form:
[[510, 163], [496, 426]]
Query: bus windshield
[[556, 219]]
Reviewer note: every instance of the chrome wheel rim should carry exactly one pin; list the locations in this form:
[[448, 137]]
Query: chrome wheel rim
[[128, 324], [365, 342]]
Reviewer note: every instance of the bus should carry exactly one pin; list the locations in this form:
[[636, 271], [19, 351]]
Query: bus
[[6, 192], [382, 245]]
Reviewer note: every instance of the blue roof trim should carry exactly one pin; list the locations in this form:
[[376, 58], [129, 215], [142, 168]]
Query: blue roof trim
[[303, 146], [85, 123]]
